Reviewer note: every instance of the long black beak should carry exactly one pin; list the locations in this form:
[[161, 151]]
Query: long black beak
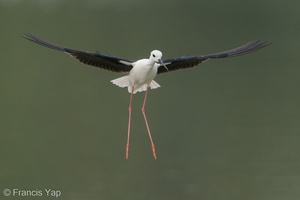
[[162, 63]]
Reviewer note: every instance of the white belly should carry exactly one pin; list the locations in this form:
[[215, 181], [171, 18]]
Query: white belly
[[140, 77], [142, 73]]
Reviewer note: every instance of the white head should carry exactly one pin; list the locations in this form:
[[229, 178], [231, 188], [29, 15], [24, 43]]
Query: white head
[[156, 57]]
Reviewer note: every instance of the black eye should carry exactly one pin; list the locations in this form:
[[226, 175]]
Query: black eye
[[153, 55]]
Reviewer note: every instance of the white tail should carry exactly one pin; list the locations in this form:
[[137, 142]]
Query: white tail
[[124, 82]]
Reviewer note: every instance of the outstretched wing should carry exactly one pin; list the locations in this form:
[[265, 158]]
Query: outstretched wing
[[96, 59], [191, 61]]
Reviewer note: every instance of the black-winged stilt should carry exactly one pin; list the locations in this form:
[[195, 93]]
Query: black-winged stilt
[[142, 72]]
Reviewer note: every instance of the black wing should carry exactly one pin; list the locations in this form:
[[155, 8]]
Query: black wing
[[191, 61], [96, 59]]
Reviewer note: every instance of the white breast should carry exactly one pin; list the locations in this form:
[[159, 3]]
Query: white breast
[[140, 77], [143, 72]]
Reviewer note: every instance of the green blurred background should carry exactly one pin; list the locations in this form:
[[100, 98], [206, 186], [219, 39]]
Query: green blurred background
[[227, 129]]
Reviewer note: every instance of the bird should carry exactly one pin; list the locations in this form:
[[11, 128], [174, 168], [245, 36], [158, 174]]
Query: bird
[[141, 73]]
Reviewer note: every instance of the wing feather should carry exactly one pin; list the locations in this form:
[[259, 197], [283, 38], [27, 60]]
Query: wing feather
[[192, 61], [97, 59]]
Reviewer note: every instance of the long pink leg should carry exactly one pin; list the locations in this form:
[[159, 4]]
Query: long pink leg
[[129, 120], [148, 129]]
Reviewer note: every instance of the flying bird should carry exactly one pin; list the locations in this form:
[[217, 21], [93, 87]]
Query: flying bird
[[141, 73]]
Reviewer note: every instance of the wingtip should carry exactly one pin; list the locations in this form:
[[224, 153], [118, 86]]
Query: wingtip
[[262, 42], [28, 36]]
